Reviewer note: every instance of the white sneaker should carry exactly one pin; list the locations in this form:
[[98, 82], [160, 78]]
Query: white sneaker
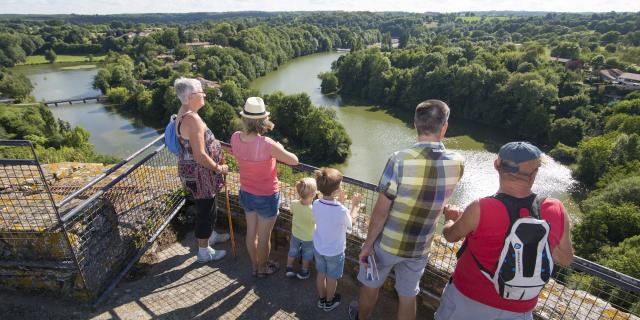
[[218, 238], [211, 255]]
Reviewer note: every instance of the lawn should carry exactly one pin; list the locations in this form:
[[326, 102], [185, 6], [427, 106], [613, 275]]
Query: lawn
[[39, 59]]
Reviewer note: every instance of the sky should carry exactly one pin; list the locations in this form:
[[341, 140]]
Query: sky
[[178, 6]]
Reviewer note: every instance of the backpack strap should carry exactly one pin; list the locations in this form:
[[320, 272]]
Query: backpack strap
[[513, 206], [180, 122], [536, 206]]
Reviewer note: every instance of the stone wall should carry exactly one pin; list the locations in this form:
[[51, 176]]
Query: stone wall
[[37, 254]]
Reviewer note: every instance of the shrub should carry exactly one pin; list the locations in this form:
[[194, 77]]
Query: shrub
[[564, 153]]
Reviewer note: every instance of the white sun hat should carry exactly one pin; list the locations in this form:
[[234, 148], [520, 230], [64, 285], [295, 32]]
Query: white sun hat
[[254, 108]]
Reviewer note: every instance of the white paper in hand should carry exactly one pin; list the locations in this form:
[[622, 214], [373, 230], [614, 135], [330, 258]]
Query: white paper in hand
[[372, 269]]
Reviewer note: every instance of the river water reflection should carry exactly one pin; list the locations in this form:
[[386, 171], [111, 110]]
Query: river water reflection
[[111, 132], [376, 134]]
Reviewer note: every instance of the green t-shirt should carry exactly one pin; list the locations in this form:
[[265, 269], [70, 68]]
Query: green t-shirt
[[303, 223]]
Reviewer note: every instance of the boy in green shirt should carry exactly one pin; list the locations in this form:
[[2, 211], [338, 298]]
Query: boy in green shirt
[[302, 226]]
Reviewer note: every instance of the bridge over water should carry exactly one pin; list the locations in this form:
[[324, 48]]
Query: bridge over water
[[75, 100], [80, 241]]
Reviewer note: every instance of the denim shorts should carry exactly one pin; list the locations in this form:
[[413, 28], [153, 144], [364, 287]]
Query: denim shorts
[[332, 266], [296, 246], [267, 207]]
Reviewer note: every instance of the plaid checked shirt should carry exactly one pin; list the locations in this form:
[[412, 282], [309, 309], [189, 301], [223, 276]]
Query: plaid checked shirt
[[419, 180]]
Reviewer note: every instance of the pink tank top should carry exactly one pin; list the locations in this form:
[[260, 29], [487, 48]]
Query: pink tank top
[[486, 244], [258, 174]]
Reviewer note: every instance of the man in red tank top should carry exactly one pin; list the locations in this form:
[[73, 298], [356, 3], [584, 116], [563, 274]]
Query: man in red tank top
[[484, 224]]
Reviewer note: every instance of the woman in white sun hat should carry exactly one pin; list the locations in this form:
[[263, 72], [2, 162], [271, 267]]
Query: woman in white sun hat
[[259, 193]]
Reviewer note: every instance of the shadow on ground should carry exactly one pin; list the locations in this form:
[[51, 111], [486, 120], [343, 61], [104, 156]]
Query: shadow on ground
[[177, 287]]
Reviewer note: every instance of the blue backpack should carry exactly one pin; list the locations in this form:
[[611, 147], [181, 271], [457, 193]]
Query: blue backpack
[[171, 136]]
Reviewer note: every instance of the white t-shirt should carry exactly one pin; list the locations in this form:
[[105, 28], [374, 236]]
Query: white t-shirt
[[332, 223]]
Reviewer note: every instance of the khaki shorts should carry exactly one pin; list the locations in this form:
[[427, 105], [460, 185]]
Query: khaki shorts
[[456, 306], [408, 272]]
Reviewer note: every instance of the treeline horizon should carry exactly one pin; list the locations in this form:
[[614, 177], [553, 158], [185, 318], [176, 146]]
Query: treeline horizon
[[492, 70], [157, 17]]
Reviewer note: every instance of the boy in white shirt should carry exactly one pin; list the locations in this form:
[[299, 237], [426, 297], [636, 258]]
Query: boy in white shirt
[[333, 220]]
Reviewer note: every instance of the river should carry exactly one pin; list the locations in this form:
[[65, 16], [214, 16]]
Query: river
[[375, 134], [111, 132]]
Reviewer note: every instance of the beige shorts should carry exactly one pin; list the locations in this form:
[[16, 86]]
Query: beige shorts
[[408, 272], [456, 306]]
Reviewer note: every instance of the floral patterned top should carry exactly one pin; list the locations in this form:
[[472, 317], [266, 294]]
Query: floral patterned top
[[201, 182]]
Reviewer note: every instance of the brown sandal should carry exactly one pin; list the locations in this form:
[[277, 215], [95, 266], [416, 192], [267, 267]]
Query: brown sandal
[[272, 267]]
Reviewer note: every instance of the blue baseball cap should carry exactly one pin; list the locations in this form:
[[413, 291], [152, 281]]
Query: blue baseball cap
[[519, 155]]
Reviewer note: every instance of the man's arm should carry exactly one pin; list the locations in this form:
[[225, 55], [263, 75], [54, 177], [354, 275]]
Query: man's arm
[[376, 224], [563, 253], [454, 230]]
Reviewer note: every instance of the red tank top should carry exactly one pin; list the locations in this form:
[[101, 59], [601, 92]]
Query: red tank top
[[486, 243], [258, 174]]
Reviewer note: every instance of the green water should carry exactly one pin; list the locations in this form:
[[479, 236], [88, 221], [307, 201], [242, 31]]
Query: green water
[[111, 132], [376, 134]]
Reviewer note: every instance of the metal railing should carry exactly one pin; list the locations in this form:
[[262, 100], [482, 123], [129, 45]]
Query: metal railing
[[92, 236], [585, 290]]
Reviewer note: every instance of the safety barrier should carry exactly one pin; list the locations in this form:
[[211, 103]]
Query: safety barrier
[[83, 244], [585, 290]]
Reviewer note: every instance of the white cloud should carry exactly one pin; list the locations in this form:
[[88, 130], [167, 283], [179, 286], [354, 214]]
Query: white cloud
[[175, 6]]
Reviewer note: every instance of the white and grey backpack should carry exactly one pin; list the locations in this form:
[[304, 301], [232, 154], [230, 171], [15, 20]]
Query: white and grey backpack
[[525, 264]]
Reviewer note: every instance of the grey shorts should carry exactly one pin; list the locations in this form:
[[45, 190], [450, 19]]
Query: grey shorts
[[408, 272], [456, 306]]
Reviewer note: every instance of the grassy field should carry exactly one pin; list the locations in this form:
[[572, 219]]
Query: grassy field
[[477, 18], [431, 25], [39, 59]]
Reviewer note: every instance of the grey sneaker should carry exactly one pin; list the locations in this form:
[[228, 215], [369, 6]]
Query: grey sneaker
[[218, 238], [303, 274], [353, 310], [334, 303], [212, 255], [290, 272], [321, 302]]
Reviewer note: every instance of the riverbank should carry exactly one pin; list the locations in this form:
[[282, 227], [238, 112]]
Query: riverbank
[[375, 133], [62, 58], [378, 132]]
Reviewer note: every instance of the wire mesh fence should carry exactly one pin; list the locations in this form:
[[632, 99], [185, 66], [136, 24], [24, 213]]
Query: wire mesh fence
[[583, 291], [27, 206], [32, 239], [79, 245], [116, 222], [92, 231]]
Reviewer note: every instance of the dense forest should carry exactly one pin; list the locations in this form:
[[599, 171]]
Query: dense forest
[[496, 69], [501, 72]]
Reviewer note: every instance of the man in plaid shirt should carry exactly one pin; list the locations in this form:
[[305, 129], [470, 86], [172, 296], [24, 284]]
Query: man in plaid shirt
[[413, 191]]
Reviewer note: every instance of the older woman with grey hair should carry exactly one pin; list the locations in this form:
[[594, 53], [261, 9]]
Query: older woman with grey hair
[[200, 166]]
